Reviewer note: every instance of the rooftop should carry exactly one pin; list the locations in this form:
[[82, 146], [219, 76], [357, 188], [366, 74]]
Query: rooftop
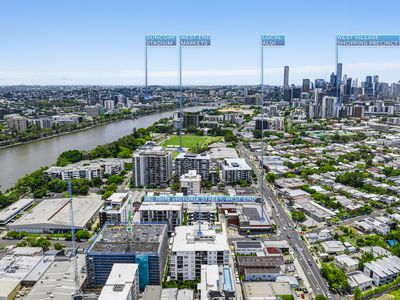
[[358, 278], [55, 213], [235, 164], [186, 239], [10, 211], [58, 281], [265, 290], [116, 238], [119, 282]]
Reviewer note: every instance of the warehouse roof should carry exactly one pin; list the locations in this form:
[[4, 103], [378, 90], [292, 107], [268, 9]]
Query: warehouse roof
[[55, 213]]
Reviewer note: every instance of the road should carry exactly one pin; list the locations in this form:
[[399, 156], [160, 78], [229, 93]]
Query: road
[[284, 222]]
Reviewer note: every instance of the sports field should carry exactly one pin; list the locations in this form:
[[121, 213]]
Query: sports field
[[191, 141]]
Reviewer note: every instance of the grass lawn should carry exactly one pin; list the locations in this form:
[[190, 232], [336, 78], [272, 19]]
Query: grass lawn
[[352, 241], [191, 141], [396, 294]]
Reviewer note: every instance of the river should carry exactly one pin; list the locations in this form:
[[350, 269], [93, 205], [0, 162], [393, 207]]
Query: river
[[19, 160]]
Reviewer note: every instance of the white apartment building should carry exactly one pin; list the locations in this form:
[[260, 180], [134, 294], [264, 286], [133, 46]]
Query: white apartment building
[[377, 225], [122, 283], [346, 263], [383, 270], [235, 169], [328, 110], [190, 183], [116, 209], [191, 250], [359, 279], [86, 169], [152, 166]]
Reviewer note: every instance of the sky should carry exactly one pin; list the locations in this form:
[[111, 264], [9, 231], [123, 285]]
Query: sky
[[101, 42]]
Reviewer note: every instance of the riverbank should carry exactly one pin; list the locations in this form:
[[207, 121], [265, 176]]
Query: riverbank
[[23, 159], [85, 128]]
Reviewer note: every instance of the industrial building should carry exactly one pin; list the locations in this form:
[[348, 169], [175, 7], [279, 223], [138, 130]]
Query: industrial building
[[53, 215], [247, 216], [11, 211], [145, 245], [58, 280], [264, 268]]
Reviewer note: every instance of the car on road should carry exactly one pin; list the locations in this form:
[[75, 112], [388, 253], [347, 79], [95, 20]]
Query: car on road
[[288, 236], [309, 262]]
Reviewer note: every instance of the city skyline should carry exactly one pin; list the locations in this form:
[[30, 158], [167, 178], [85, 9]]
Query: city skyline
[[103, 44]]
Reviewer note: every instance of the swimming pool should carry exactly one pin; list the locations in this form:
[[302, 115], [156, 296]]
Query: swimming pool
[[228, 285]]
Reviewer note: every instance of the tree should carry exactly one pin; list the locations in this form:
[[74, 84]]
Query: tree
[[244, 183], [357, 293], [230, 137], [69, 157], [124, 152], [271, 177], [80, 186], [57, 185], [82, 235], [335, 276], [42, 242], [298, 216], [58, 246], [117, 179], [320, 297]]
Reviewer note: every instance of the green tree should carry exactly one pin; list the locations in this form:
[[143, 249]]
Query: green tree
[[357, 293], [230, 137], [82, 235], [271, 177], [124, 152], [336, 277], [57, 185], [298, 216], [58, 246], [320, 297], [117, 179], [43, 242], [68, 157], [80, 186]]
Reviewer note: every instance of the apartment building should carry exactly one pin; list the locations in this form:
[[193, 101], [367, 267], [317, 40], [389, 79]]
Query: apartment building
[[190, 183], [191, 249], [185, 162], [152, 166], [234, 170], [86, 169], [116, 209], [383, 270], [161, 213]]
